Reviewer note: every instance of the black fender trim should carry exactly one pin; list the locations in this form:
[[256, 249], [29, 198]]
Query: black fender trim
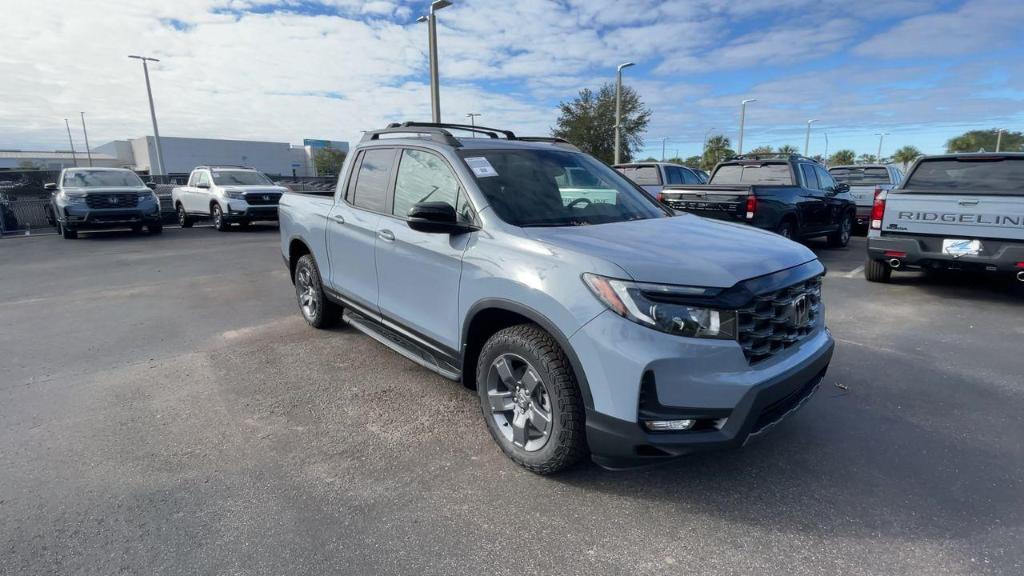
[[537, 318]]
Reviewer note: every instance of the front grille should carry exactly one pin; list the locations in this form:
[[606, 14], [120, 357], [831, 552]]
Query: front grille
[[777, 320], [262, 199], [112, 200]]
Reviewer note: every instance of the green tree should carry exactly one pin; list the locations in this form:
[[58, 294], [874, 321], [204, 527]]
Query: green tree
[[328, 161], [867, 158], [762, 150], [906, 155], [717, 150], [976, 140], [842, 157], [788, 149], [650, 159], [676, 160], [693, 162], [588, 122]]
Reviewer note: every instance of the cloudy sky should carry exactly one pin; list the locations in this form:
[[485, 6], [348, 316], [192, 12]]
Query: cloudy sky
[[286, 70]]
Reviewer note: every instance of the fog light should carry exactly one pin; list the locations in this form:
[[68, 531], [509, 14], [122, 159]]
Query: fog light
[[669, 425]]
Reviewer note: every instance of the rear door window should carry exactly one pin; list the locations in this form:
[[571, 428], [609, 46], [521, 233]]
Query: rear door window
[[675, 175], [810, 177], [690, 177], [373, 178]]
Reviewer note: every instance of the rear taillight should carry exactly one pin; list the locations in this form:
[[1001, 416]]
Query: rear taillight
[[878, 209], [660, 197], [751, 206]]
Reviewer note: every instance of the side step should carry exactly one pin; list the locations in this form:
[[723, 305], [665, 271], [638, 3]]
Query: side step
[[401, 344]]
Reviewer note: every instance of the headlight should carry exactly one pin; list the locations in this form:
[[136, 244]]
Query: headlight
[[73, 198], [237, 194], [660, 306]]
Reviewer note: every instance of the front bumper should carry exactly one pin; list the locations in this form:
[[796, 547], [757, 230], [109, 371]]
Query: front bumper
[[710, 381], [238, 210], [926, 252], [76, 217]]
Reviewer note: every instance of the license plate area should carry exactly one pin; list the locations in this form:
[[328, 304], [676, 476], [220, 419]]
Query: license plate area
[[957, 247]]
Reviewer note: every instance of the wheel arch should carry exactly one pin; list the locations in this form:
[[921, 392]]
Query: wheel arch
[[488, 316], [297, 248]]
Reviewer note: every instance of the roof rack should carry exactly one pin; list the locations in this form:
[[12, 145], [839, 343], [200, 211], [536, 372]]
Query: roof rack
[[771, 156], [549, 139], [439, 132]]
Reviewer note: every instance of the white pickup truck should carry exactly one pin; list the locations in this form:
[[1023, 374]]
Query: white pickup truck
[[865, 182], [952, 212], [226, 195]]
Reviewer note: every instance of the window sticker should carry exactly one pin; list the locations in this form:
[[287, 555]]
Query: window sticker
[[481, 167]]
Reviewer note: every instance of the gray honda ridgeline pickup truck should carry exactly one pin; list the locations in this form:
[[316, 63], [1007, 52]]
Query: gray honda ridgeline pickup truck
[[589, 321]]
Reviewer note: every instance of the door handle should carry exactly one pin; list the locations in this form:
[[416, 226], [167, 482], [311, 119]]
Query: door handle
[[386, 235], [968, 202], [339, 218]]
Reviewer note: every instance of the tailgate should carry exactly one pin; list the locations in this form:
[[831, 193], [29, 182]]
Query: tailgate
[[721, 202], [954, 215], [864, 196]]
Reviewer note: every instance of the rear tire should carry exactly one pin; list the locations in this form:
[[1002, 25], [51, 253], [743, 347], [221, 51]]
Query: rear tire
[[787, 229], [217, 215], [535, 389], [840, 238], [877, 271], [309, 291], [184, 220]]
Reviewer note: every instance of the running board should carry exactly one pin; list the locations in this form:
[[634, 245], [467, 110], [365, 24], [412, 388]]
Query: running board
[[399, 343]]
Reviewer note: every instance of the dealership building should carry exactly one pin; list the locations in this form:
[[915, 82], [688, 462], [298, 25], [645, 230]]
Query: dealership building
[[180, 155]]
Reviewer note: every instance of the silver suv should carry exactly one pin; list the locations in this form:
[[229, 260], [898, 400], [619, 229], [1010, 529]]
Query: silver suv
[[588, 318]]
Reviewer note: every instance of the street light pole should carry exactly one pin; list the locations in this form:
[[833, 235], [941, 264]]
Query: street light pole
[[878, 157], [71, 143], [435, 90], [807, 138], [152, 114], [663, 149], [743, 116], [618, 108], [472, 120], [999, 139], [826, 146], [86, 134]]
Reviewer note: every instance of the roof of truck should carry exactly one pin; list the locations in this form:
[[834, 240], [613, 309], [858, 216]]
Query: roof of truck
[[972, 155], [481, 137]]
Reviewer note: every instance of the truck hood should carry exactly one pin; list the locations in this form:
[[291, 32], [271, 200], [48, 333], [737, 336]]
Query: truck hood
[[683, 250], [109, 190]]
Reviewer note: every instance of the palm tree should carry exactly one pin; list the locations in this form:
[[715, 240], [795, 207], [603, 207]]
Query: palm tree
[[788, 149], [842, 157], [906, 155], [717, 150], [762, 150]]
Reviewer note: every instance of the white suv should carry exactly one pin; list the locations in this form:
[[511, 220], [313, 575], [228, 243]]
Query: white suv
[[226, 195]]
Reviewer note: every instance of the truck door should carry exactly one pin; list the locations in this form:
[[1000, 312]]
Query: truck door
[[419, 272], [811, 203], [352, 228]]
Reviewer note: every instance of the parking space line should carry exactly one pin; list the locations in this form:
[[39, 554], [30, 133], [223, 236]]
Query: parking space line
[[854, 272]]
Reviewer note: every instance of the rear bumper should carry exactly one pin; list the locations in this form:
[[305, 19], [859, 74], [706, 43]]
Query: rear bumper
[[926, 251], [863, 215]]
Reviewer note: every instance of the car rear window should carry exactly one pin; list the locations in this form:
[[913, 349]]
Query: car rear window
[[641, 175], [999, 175], [856, 176], [777, 173]]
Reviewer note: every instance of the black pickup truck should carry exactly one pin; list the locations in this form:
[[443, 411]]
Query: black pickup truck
[[791, 195]]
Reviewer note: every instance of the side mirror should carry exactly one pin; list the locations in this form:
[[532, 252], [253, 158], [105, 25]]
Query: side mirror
[[151, 185], [436, 218], [203, 185], [50, 186], [842, 187]]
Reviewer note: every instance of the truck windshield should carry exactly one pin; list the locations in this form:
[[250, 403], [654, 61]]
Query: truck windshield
[[990, 175], [102, 178], [777, 173], [857, 176], [239, 178], [530, 187]]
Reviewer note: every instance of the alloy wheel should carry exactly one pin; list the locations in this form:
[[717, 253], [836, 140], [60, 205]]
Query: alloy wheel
[[309, 299], [216, 216], [845, 232], [519, 401], [181, 216]]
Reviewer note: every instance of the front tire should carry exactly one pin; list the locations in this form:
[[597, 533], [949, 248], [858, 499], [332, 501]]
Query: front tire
[[219, 222], [309, 291], [67, 233], [877, 271], [183, 218], [530, 399], [787, 229], [840, 238]]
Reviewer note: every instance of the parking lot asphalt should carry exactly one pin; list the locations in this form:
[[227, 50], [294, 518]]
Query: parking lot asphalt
[[165, 410]]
